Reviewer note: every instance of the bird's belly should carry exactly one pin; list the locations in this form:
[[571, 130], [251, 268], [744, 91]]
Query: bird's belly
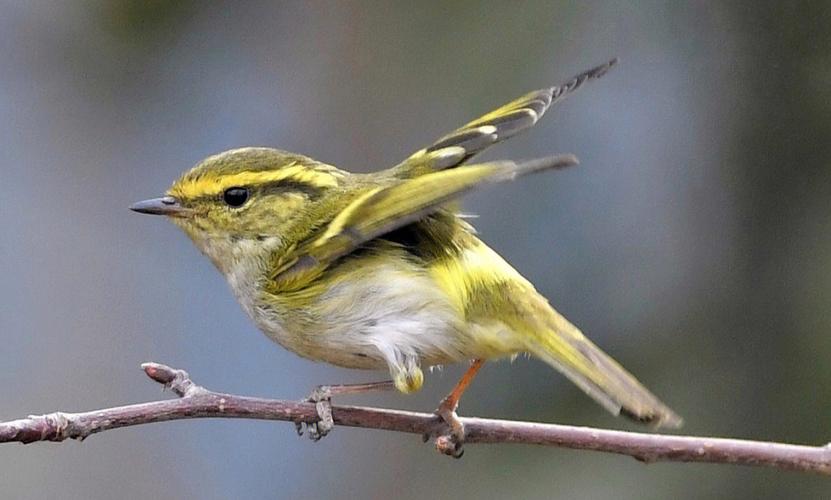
[[390, 316]]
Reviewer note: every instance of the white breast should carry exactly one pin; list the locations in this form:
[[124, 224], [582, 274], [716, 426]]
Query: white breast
[[392, 316], [389, 319]]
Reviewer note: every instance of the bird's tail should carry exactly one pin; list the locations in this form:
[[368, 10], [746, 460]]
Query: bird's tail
[[564, 347]]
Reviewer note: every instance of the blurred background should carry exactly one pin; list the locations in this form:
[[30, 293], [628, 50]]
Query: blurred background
[[693, 243]]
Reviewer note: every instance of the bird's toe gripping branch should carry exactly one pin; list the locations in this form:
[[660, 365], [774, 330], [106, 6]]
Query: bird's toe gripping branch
[[452, 443], [321, 396]]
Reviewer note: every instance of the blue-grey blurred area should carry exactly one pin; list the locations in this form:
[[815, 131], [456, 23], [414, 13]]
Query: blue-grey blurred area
[[693, 243]]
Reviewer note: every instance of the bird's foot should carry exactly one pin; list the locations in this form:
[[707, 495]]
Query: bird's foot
[[322, 398], [451, 444]]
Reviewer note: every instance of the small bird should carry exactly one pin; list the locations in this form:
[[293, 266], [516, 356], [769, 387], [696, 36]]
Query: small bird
[[379, 270]]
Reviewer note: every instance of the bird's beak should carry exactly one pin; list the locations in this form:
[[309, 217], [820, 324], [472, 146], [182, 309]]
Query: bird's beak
[[166, 205]]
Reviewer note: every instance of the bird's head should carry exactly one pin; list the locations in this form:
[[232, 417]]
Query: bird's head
[[244, 202]]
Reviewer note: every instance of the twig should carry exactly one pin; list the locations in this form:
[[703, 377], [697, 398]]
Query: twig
[[198, 402]]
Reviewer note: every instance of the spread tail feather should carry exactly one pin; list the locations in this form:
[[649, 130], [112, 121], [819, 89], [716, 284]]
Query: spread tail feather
[[601, 377]]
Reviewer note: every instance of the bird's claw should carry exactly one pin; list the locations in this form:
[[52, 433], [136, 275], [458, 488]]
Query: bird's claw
[[451, 444], [322, 398]]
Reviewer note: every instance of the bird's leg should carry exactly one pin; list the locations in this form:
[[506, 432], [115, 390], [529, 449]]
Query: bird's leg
[[322, 398], [447, 410]]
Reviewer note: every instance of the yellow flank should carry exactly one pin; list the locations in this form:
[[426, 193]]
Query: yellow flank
[[474, 280], [208, 185], [476, 268]]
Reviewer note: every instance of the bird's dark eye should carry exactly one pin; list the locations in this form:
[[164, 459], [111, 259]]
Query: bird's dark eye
[[235, 196]]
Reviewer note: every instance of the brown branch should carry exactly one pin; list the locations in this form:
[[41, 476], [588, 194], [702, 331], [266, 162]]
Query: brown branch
[[198, 402]]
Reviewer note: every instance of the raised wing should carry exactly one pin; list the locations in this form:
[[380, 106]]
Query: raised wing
[[460, 145], [380, 210]]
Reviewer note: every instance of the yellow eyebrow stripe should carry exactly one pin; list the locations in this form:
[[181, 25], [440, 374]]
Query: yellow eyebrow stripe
[[213, 185]]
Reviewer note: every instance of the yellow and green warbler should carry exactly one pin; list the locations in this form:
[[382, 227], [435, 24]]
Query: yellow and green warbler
[[379, 270]]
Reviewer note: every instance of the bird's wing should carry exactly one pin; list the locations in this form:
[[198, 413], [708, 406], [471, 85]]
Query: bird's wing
[[379, 210], [460, 145]]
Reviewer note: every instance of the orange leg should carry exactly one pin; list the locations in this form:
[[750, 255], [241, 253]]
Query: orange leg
[[451, 401], [448, 405]]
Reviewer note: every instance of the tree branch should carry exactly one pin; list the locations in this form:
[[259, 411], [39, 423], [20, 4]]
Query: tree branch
[[198, 402]]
